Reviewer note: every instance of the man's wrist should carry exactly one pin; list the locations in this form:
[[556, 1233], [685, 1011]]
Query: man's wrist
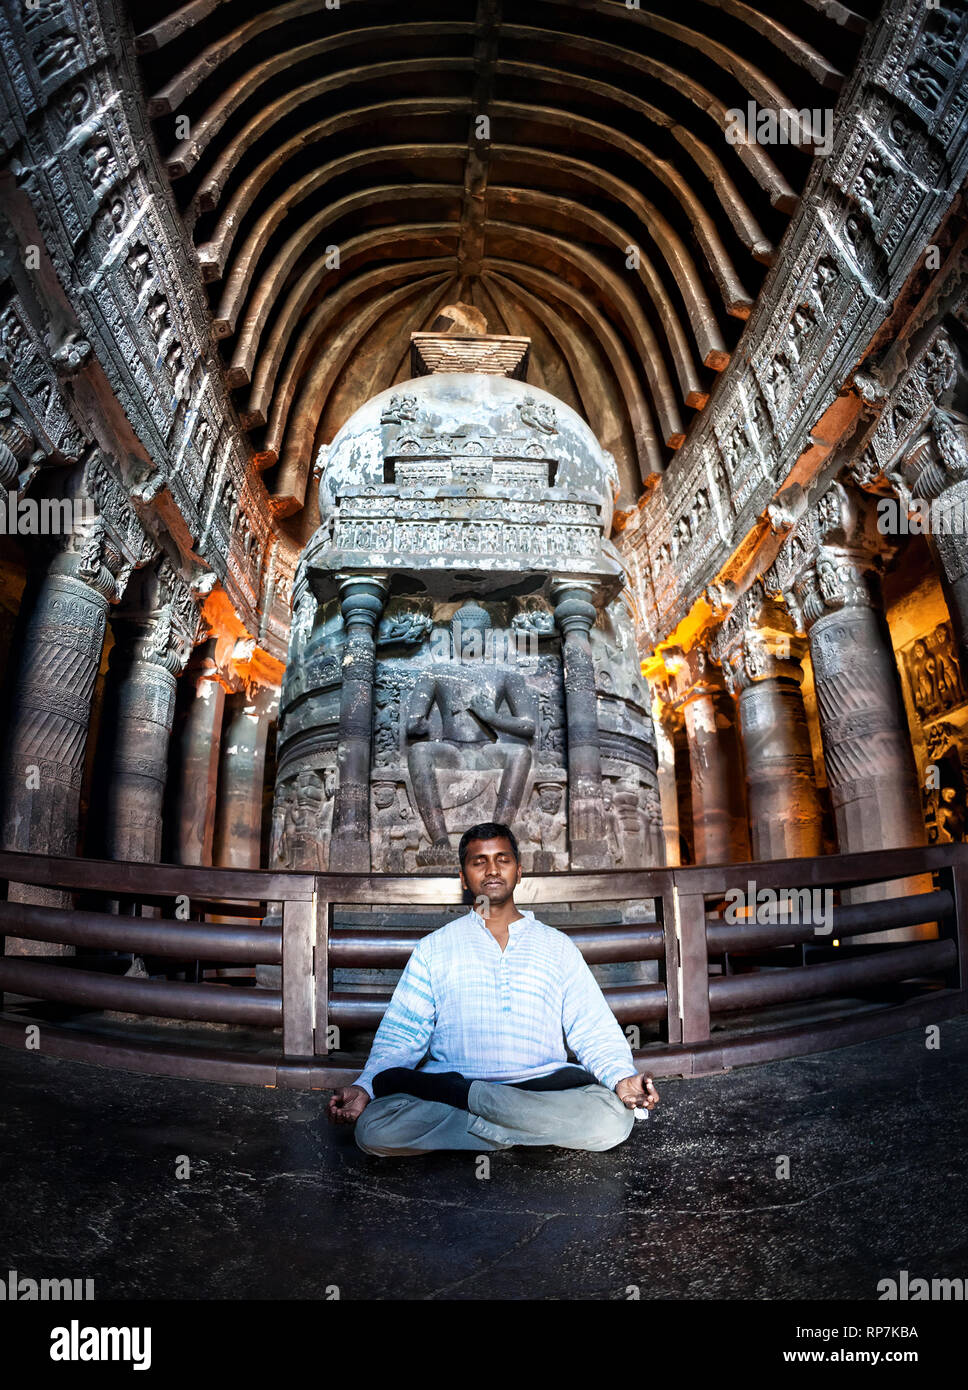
[[616, 1077]]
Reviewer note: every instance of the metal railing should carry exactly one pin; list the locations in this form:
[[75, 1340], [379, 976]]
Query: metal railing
[[710, 970]]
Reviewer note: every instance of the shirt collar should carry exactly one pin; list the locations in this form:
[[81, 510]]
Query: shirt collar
[[523, 921]]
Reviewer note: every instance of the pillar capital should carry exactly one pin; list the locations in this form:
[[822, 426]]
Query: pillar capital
[[575, 613], [152, 638], [841, 577], [825, 560], [575, 610], [758, 640], [690, 676], [938, 458], [362, 598]]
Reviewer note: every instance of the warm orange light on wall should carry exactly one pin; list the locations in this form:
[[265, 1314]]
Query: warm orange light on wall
[[236, 650]]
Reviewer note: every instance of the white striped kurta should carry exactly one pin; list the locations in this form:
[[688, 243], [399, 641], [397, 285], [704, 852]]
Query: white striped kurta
[[496, 1015]]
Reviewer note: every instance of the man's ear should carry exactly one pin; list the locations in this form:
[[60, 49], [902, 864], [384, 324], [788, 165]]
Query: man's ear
[[463, 881]]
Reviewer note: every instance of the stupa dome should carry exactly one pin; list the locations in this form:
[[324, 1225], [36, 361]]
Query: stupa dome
[[490, 427]]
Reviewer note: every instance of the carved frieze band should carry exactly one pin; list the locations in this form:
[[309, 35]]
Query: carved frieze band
[[900, 154]]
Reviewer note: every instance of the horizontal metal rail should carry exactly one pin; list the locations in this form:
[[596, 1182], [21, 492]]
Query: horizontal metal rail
[[629, 1004], [599, 945], [209, 1003], [155, 936], [308, 946], [854, 919], [830, 977]]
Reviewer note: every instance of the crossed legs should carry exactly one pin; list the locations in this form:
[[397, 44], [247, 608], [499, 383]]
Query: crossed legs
[[498, 1117]]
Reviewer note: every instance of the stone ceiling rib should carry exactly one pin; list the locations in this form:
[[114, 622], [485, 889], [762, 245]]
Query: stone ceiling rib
[[603, 207]]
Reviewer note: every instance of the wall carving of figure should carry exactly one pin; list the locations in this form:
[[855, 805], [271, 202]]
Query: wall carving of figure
[[307, 819], [546, 827], [395, 830], [482, 709], [934, 676], [614, 829]]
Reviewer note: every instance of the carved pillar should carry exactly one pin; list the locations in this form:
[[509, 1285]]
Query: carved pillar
[[715, 764], [241, 784], [761, 656], [142, 672], [575, 614], [199, 745], [936, 471], [867, 749], [664, 719], [361, 599], [49, 720], [827, 569]]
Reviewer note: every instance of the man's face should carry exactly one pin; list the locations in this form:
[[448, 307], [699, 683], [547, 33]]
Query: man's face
[[491, 870]]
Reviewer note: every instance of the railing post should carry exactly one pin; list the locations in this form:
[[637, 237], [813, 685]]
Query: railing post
[[689, 920], [959, 927], [298, 983], [670, 969], [321, 970]]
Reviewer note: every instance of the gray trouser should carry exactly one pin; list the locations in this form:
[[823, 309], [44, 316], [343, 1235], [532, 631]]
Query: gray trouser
[[587, 1117]]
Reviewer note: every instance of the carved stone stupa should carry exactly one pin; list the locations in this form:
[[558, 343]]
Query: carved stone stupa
[[460, 648]]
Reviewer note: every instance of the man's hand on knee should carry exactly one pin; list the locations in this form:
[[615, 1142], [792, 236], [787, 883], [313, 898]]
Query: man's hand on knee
[[637, 1093], [347, 1105]]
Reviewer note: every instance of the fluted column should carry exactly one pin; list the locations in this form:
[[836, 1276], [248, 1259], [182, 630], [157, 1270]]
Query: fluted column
[[715, 765], [50, 717], [664, 718], [361, 600], [199, 745], [936, 471], [575, 614], [761, 656], [241, 784], [830, 566], [142, 676], [871, 770]]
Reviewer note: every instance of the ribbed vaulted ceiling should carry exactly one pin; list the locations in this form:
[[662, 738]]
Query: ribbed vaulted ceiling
[[340, 186]]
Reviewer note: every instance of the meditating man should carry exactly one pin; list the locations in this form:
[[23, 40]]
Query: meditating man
[[493, 997]]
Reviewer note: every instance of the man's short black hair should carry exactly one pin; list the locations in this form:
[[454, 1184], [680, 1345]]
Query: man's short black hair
[[487, 830]]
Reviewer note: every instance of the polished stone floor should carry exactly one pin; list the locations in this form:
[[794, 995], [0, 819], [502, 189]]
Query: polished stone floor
[[278, 1204]]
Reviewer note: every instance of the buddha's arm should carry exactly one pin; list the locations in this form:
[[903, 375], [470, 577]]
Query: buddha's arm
[[421, 703], [519, 721]]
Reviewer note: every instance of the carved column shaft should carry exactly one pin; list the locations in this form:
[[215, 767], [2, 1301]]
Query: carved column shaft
[[828, 569], [718, 804], [575, 615], [870, 763], [762, 660], [143, 707], [871, 770], [199, 745], [241, 786], [362, 603], [936, 471], [783, 801], [50, 717]]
